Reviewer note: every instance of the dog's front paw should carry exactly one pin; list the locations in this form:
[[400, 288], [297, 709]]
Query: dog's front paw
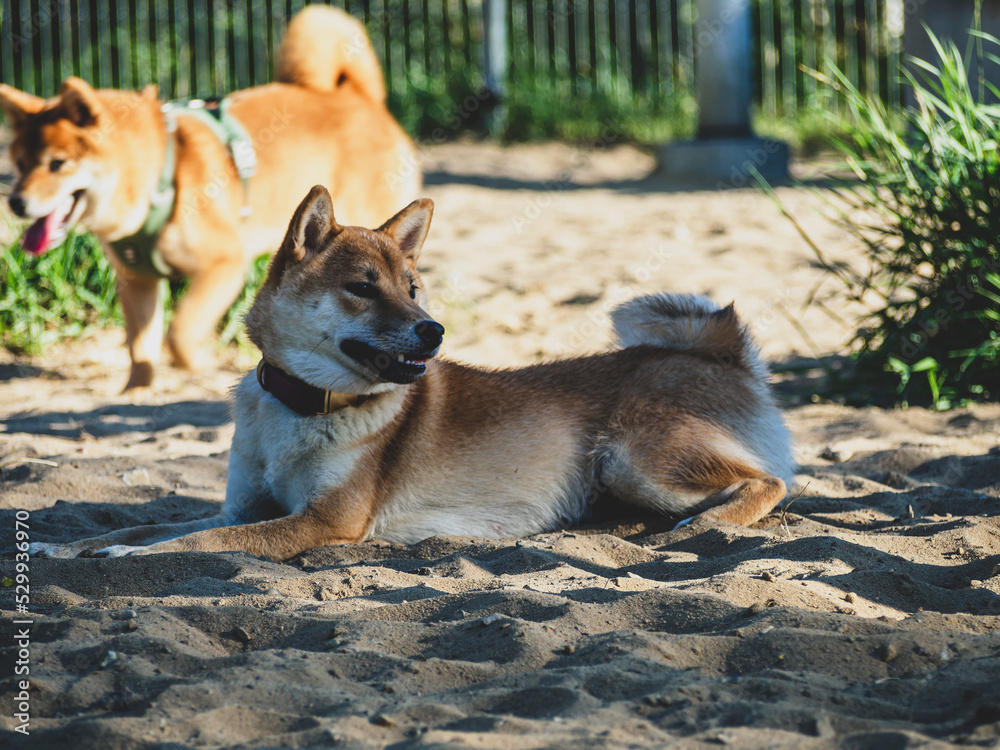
[[120, 550], [47, 549]]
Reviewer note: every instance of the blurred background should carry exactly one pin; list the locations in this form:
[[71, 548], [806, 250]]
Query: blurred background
[[573, 66], [561, 230]]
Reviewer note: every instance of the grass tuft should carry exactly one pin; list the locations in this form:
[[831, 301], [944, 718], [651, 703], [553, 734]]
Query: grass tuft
[[64, 293], [932, 285]]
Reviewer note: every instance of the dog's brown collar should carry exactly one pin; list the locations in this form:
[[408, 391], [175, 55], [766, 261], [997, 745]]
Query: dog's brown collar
[[307, 400]]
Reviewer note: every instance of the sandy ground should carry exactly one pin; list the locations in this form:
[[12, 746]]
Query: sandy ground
[[862, 615]]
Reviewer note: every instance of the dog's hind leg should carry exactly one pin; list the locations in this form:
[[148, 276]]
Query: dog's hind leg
[[746, 502], [693, 470], [143, 311], [131, 537], [212, 291]]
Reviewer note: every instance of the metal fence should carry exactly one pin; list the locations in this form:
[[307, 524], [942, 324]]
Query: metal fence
[[577, 48]]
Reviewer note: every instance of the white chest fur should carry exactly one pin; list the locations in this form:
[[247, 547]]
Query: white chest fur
[[291, 459]]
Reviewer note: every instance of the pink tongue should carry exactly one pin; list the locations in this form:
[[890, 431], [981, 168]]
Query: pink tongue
[[36, 239]]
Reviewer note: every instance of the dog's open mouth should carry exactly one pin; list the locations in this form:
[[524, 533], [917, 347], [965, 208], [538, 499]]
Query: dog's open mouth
[[50, 230], [398, 367]]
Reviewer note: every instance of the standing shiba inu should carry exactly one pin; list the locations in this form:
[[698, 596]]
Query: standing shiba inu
[[169, 194], [351, 429]]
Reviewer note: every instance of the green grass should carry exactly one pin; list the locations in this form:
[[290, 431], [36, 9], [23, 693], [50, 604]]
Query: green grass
[[62, 294], [70, 290], [437, 110]]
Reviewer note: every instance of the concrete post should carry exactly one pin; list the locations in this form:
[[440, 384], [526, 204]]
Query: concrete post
[[722, 68], [726, 152], [495, 60]]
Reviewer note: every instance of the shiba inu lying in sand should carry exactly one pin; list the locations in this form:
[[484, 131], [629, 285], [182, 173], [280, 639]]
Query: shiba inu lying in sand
[[169, 193], [351, 429]]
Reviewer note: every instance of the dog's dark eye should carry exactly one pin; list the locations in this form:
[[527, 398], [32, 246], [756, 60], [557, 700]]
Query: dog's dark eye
[[413, 291], [361, 289], [56, 164]]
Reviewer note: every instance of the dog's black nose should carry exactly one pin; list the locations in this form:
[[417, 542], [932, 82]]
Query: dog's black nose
[[430, 332], [17, 205]]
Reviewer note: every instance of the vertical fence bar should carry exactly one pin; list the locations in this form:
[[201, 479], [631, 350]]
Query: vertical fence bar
[[529, 36], [198, 59], [637, 58], [36, 56], [242, 29], [171, 51], [466, 32], [894, 34], [7, 42], [186, 81], [788, 62], [407, 44], [572, 49], [125, 48], [269, 40], [218, 80], [147, 66], [767, 85], [851, 42], [446, 31], [602, 46], [260, 49], [48, 36], [665, 33], [23, 32], [872, 50], [132, 21], [653, 62], [829, 56], [561, 16], [229, 82], [251, 31], [104, 42], [809, 38], [386, 45], [425, 36], [687, 41], [613, 58]]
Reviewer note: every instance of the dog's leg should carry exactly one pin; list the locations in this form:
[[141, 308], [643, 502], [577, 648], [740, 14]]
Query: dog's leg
[[143, 311], [212, 291], [747, 502], [131, 537], [279, 539], [691, 472]]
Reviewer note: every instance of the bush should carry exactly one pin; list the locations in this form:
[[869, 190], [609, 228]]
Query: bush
[[932, 288]]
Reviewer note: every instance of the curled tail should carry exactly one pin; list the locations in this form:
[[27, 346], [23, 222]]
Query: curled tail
[[324, 48], [690, 322]]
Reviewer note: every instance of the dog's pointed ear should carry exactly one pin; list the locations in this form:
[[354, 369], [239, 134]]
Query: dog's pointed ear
[[17, 105], [312, 226], [409, 227], [150, 91], [79, 101]]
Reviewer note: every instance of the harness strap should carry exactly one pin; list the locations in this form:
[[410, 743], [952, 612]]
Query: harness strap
[[139, 251], [214, 114]]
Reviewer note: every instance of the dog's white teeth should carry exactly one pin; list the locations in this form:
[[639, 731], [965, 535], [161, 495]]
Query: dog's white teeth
[[400, 358]]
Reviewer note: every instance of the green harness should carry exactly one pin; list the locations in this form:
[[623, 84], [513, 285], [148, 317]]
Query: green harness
[[139, 251]]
